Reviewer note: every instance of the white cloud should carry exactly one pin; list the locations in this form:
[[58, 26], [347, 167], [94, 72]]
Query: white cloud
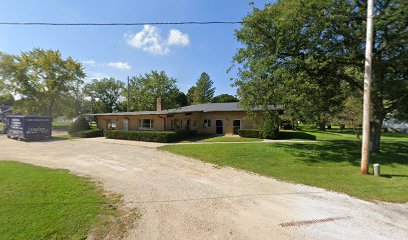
[[178, 38], [95, 75], [150, 40], [89, 62], [120, 65]]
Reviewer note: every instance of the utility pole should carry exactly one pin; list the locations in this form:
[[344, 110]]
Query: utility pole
[[128, 94], [365, 149]]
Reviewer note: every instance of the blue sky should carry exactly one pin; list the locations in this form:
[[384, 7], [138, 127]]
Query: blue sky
[[182, 51]]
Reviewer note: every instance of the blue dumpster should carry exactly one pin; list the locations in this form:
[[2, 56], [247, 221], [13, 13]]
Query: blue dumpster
[[28, 127]]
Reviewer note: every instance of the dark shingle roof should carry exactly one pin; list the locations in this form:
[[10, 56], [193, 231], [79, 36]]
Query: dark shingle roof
[[125, 113], [213, 107]]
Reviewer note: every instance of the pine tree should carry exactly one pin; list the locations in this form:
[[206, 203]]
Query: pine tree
[[204, 91]]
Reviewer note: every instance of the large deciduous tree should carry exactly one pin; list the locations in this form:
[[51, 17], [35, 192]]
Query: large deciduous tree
[[293, 44], [145, 89], [204, 91], [6, 98], [105, 94], [40, 78]]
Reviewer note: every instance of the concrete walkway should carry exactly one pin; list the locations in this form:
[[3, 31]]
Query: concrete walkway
[[182, 198]]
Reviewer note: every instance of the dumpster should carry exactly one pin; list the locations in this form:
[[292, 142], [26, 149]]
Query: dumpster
[[28, 127]]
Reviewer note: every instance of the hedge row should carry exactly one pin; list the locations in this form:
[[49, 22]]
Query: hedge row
[[147, 136], [250, 133], [256, 133], [94, 132]]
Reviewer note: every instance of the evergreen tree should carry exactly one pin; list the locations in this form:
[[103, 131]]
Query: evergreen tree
[[204, 91]]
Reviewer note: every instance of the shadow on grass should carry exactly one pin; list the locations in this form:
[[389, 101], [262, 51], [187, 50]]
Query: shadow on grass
[[338, 151], [295, 135], [393, 175], [196, 139]]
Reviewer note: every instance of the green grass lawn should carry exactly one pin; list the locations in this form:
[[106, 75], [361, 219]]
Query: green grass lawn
[[333, 164], [64, 137], [41, 203], [231, 139], [61, 126]]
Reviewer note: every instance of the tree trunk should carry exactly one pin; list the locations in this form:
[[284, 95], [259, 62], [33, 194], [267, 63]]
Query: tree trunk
[[322, 126], [356, 131], [51, 108], [376, 124], [375, 138]]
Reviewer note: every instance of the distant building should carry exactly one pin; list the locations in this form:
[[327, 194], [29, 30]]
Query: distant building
[[396, 126]]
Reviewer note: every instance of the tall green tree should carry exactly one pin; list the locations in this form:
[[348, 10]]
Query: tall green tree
[[224, 98], [41, 78], [105, 94], [6, 98], [204, 91], [181, 99], [145, 89], [190, 95], [322, 42]]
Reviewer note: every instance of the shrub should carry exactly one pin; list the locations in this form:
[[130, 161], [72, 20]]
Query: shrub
[[270, 126], [79, 125], [286, 125], [91, 133], [147, 136], [249, 133], [187, 133]]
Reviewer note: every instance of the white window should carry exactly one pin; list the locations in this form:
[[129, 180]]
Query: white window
[[146, 124], [195, 123], [111, 124], [207, 123], [125, 124]]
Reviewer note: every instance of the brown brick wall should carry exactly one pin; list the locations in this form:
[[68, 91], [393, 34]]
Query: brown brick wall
[[161, 123]]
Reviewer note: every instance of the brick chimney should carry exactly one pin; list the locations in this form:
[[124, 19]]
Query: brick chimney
[[159, 105]]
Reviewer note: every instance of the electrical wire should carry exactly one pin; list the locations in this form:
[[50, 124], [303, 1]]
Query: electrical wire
[[117, 23]]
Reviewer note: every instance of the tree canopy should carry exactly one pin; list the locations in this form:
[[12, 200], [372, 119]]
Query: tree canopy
[[145, 89], [310, 52], [224, 98], [105, 94], [204, 90], [42, 78], [190, 95]]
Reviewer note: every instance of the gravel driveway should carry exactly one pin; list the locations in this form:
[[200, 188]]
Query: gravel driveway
[[182, 198]]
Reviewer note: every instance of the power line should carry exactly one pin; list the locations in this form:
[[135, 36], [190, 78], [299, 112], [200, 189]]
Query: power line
[[117, 24]]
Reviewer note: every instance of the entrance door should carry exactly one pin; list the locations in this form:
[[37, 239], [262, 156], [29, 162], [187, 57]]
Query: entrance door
[[237, 125], [219, 127]]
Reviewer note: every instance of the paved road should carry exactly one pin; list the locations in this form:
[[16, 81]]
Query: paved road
[[182, 198]]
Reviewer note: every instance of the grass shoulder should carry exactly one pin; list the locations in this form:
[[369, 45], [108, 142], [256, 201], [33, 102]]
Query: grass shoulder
[[60, 126], [42, 203]]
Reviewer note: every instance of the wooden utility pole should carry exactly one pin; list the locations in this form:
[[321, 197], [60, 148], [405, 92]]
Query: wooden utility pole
[[128, 94], [365, 149]]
